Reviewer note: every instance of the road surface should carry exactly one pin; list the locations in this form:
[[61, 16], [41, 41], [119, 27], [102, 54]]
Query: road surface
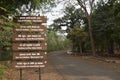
[[74, 68]]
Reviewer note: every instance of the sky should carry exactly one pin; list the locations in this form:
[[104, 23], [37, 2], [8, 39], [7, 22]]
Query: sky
[[58, 10], [55, 13]]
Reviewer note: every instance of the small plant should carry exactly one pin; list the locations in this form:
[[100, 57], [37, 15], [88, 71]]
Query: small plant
[[2, 72]]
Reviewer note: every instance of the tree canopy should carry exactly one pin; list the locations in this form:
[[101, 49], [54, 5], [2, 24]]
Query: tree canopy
[[105, 25], [11, 6]]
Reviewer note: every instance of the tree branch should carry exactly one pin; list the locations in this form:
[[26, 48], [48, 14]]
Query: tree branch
[[93, 1], [91, 5], [83, 6]]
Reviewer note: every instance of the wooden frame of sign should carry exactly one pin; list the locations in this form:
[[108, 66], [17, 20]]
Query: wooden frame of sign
[[29, 42]]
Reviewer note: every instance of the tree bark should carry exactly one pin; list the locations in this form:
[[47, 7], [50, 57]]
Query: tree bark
[[80, 47], [91, 36], [83, 6], [111, 48]]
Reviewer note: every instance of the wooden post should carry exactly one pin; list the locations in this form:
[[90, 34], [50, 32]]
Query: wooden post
[[20, 74], [39, 74]]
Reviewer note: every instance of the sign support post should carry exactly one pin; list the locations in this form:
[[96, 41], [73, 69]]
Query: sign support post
[[20, 74], [39, 74]]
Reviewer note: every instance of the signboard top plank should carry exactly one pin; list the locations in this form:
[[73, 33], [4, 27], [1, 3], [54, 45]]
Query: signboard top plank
[[34, 19]]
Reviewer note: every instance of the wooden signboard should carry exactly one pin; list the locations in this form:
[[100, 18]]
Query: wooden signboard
[[29, 42]]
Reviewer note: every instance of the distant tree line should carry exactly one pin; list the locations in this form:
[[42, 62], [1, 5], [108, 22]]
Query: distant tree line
[[57, 41]]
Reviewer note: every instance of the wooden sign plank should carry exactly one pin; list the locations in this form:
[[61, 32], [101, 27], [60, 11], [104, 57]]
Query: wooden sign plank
[[29, 64], [34, 19], [29, 46], [29, 55], [41, 28], [29, 37]]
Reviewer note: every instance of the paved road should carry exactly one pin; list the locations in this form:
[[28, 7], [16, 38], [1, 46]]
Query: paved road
[[72, 68]]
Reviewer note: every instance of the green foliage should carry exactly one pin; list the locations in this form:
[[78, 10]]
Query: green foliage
[[51, 40], [2, 72], [15, 6], [5, 32], [56, 42], [73, 17], [78, 37], [106, 27], [77, 33], [5, 38]]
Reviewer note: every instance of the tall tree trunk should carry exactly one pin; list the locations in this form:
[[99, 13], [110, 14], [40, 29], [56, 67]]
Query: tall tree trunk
[[91, 35], [111, 48], [80, 47], [73, 47]]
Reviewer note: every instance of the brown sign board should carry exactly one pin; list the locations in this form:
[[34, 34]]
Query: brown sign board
[[29, 46], [29, 55], [34, 19], [29, 37], [29, 64], [29, 42], [41, 28]]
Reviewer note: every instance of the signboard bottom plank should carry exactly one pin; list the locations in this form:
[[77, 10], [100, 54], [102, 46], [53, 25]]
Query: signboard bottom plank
[[29, 64]]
